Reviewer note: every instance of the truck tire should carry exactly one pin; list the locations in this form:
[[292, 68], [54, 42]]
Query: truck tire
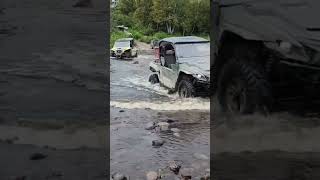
[[186, 89], [243, 88], [153, 79]]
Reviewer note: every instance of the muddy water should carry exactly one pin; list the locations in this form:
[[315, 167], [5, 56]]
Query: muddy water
[[53, 75], [282, 145], [131, 145], [289, 130]]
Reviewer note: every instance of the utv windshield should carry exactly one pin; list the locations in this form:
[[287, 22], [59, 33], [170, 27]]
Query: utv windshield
[[194, 54], [122, 44], [193, 50]]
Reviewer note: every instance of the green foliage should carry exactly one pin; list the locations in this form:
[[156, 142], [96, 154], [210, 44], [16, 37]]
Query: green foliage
[[146, 39], [121, 19], [172, 16], [127, 7], [161, 35], [136, 34], [157, 19], [142, 13]]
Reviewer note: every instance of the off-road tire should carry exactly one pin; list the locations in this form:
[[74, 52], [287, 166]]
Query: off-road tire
[[186, 88], [153, 79], [243, 88]]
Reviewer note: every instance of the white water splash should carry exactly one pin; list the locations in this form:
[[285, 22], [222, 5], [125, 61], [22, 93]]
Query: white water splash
[[176, 105], [142, 84]]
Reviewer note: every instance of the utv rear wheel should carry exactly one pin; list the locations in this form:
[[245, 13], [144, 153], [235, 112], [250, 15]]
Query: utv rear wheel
[[153, 79], [186, 89], [243, 88]]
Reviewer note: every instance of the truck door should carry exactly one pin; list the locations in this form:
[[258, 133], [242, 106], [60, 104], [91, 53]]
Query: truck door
[[168, 72]]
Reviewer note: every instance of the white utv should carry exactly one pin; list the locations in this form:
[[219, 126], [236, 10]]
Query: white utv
[[183, 65]]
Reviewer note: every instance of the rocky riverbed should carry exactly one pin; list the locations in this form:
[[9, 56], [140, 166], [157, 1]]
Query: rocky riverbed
[[152, 130]]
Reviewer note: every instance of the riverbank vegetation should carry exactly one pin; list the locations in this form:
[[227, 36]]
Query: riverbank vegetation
[[157, 19]]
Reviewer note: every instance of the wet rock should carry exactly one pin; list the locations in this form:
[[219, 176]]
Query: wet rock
[[164, 126], [118, 176], [83, 4], [160, 173], [186, 173], [206, 177], [121, 111], [170, 121], [200, 156], [157, 143], [176, 134], [38, 156], [152, 175], [150, 126], [135, 62], [157, 129], [176, 130], [174, 167]]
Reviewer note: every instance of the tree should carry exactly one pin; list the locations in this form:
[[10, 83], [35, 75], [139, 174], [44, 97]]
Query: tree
[[142, 13], [127, 7], [164, 14], [185, 16]]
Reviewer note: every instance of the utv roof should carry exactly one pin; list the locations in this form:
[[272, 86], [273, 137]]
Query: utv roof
[[124, 39], [184, 39]]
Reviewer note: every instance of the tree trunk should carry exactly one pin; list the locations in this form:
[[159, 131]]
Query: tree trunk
[[170, 29]]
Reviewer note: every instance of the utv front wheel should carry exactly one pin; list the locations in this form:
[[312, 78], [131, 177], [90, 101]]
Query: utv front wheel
[[186, 89], [242, 88], [153, 79]]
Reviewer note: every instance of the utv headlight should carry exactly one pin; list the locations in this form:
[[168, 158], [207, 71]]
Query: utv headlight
[[200, 77]]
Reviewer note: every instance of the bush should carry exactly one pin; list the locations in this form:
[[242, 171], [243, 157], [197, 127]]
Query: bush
[[142, 29], [161, 35], [146, 39], [121, 19], [136, 34]]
